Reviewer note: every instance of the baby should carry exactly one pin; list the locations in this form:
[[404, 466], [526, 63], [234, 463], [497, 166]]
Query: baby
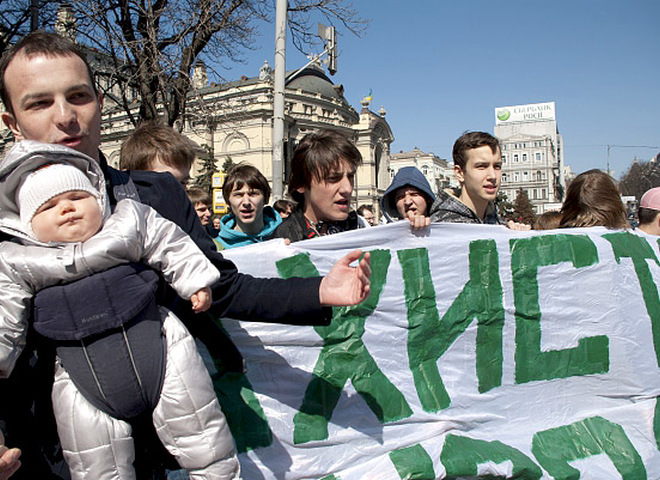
[[118, 354]]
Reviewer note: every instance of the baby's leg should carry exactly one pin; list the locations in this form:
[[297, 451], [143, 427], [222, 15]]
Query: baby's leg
[[187, 417], [95, 445]]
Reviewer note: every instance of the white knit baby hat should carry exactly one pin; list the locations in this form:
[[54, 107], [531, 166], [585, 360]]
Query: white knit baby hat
[[48, 182]]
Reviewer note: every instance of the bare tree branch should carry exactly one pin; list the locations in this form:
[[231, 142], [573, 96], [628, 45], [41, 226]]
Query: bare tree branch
[[154, 44]]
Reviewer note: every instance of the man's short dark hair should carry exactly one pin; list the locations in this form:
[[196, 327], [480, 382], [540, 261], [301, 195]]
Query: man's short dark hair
[[282, 205], [153, 141], [647, 215], [40, 43], [198, 195], [245, 174], [316, 156], [362, 208], [469, 141]]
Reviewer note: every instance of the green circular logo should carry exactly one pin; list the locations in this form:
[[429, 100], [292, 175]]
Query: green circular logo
[[503, 115]]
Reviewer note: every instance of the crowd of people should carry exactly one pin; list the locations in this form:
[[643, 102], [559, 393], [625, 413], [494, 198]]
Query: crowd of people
[[100, 241]]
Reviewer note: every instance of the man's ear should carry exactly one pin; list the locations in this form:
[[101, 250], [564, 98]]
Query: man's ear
[[10, 121], [458, 173]]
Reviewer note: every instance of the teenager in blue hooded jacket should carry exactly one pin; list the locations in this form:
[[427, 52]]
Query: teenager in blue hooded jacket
[[246, 191]]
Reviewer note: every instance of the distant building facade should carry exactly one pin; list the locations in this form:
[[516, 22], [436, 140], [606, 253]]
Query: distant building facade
[[235, 120], [532, 154], [438, 172]]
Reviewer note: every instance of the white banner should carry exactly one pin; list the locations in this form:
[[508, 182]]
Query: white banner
[[481, 351]]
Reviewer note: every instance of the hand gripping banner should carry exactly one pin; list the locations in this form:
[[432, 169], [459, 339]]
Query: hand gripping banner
[[480, 353]]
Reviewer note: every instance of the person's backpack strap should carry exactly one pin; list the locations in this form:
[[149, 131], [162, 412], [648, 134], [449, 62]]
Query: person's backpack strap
[[122, 185]]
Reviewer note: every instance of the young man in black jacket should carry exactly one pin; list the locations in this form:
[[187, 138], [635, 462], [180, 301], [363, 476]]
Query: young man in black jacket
[[321, 182], [49, 95]]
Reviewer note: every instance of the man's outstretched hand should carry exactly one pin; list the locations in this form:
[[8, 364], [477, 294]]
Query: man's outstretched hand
[[346, 285]]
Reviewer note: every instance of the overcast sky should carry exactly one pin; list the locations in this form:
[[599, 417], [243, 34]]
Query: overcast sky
[[441, 67]]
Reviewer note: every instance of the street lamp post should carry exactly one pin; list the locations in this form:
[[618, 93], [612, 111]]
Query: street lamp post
[[278, 98]]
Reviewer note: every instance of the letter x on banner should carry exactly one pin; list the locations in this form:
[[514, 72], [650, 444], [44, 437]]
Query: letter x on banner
[[481, 352]]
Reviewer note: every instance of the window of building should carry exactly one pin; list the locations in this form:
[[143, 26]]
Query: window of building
[[503, 158], [539, 176], [516, 176], [544, 193], [515, 158], [538, 156], [525, 176], [524, 157], [425, 170], [503, 177]]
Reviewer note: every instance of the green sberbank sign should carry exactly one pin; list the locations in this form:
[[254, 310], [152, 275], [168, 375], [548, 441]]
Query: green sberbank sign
[[533, 112]]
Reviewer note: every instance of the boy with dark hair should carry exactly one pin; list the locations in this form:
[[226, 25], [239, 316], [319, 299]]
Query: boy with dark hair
[[321, 182], [478, 169], [649, 212], [159, 148], [367, 213], [202, 203], [246, 191]]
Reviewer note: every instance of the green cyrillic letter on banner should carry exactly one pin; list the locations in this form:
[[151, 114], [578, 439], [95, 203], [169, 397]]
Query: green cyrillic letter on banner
[[628, 245], [527, 254], [413, 463], [556, 447], [245, 417], [344, 356], [429, 338], [461, 457]]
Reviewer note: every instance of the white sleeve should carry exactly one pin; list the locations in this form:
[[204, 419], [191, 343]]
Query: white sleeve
[[15, 305], [168, 249]]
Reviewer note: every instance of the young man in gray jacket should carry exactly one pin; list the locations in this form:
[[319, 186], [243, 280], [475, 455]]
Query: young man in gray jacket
[[478, 169]]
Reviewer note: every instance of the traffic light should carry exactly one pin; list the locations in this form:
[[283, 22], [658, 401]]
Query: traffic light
[[329, 34]]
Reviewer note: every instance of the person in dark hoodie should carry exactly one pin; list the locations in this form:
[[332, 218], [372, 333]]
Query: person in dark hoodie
[[408, 194], [246, 191]]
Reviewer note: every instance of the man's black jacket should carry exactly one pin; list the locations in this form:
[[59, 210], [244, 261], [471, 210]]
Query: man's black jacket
[[240, 296]]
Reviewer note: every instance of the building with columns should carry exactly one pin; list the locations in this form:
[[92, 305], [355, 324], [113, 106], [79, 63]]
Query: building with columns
[[532, 154], [235, 120]]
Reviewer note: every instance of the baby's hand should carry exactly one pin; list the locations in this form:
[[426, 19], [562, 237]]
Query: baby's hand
[[201, 300]]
